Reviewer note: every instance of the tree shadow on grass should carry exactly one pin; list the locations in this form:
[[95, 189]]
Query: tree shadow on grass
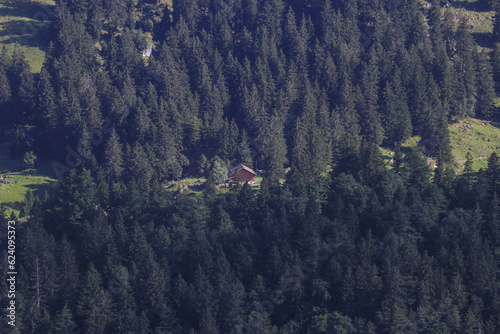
[[29, 33], [483, 39], [8, 207], [24, 9], [496, 123], [475, 6], [39, 190]]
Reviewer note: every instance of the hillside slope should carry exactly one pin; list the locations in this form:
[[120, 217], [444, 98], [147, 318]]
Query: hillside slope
[[25, 24]]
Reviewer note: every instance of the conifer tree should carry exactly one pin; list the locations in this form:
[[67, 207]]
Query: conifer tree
[[485, 89], [244, 150], [116, 14], [5, 93], [94, 303], [300, 152], [396, 119], [495, 60], [493, 172], [398, 158], [468, 163], [25, 93], [218, 172], [370, 118], [291, 41], [95, 19], [417, 169], [151, 102], [90, 103], [141, 122], [68, 277], [63, 321], [113, 156], [466, 65], [435, 22], [274, 148], [46, 104], [171, 158], [76, 206], [443, 75]]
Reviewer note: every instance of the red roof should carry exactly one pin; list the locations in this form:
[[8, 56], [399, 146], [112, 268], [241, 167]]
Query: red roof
[[239, 168]]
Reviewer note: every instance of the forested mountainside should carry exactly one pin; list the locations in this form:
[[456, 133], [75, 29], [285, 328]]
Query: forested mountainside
[[135, 93]]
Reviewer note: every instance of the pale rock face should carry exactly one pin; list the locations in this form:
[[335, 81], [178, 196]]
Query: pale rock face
[[147, 52]]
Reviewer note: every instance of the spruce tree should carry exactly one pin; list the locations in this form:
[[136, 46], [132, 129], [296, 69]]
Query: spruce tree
[[244, 150], [485, 89], [5, 90], [370, 118], [46, 104], [94, 303], [468, 163], [25, 94], [113, 156], [495, 60], [5, 96], [466, 64]]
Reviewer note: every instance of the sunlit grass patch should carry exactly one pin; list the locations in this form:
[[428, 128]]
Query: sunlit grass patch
[[15, 181], [25, 24], [478, 137]]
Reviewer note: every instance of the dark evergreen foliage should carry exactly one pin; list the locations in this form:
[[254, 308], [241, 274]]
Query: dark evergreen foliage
[[337, 243]]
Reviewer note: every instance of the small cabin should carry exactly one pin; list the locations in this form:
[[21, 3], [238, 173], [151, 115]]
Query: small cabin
[[241, 173]]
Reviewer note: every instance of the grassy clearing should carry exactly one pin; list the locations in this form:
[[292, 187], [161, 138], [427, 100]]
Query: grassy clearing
[[410, 144], [15, 181], [480, 138], [25, 24], [12, 194], [188, 185], [478, 16], [195, 186], [387, 155]]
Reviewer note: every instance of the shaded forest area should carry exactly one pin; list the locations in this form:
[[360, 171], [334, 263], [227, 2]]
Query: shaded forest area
[[344, 245]]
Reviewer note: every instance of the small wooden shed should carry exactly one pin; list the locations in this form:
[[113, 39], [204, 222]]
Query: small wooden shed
[[242, 173]]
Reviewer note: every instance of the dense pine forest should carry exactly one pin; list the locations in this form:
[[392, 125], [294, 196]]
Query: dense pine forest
[[136, 93]]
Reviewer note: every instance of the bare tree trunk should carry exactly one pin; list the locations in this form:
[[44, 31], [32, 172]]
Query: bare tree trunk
[[36, 280]]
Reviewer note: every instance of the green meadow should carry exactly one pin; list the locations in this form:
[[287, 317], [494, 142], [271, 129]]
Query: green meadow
[[16, 181], [25, 24], [480, 138]]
